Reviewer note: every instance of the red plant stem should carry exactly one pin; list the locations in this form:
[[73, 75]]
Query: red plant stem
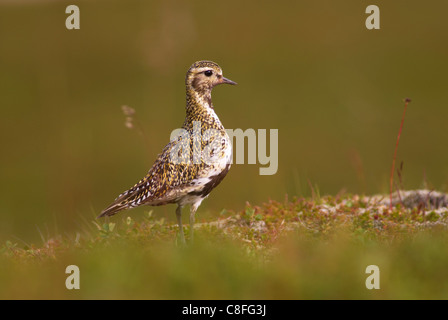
[[407, 100]]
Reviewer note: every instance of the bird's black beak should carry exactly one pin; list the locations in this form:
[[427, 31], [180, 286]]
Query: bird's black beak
[[225, 80]]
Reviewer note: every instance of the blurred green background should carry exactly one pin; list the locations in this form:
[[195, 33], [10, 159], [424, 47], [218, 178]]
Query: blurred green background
[[310, 69]]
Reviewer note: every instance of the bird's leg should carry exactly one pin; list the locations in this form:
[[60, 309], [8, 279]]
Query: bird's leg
[[192, 216], [179, 223]]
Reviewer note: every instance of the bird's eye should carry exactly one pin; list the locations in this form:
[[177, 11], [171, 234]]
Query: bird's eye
[[208, 73]]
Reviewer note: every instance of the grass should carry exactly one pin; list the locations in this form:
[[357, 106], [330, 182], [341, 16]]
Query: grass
[[300, 248], [391, 179]]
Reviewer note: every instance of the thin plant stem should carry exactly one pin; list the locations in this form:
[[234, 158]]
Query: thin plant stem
[[407, 100]]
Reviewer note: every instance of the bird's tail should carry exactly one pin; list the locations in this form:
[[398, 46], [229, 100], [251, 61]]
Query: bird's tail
[[114, 208], [121, 203]]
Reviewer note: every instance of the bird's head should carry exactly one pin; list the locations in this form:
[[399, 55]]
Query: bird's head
[[204, 75]]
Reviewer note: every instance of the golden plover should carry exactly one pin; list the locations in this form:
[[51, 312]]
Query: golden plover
[[194, 162]]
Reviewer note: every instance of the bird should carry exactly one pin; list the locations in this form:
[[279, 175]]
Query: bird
[[194, 162]]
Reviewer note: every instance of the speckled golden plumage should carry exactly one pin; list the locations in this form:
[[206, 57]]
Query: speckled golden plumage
[[189, 179]]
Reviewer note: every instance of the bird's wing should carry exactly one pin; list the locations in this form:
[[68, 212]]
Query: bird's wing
[[164, 183]]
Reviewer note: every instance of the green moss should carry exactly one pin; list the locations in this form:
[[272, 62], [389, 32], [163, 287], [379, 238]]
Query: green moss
[[292, 249]]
